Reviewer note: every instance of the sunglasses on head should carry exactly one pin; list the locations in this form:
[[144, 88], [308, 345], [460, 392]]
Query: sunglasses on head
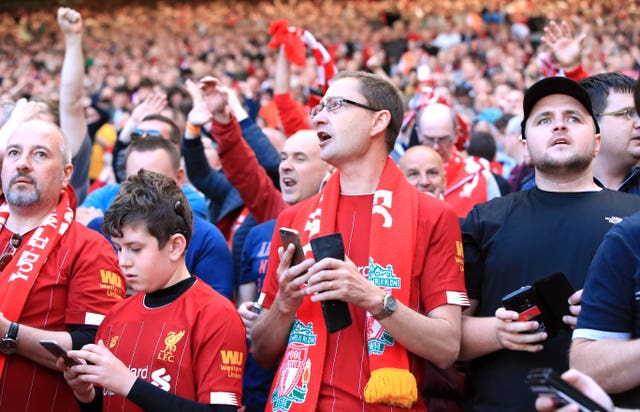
[[139, 133]]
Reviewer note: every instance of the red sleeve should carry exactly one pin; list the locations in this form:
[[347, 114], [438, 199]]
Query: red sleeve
[[220, 354], [95, 280], [577, 74], [243, 170], [291, 117], [442, 263]]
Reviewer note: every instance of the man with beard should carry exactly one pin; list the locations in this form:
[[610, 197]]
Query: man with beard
[[58, 279], [515, 240]]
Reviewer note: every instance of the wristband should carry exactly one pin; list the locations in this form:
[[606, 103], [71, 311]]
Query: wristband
[[194, 130]]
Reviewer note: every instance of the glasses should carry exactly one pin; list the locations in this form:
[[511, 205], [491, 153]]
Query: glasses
[[10, 250], [432, 141], [334, 103], [629, 113], [138, 133]]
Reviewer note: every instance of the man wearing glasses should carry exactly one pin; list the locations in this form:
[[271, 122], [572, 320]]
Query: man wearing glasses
[[401, 277], [468, 182], [611, 96]]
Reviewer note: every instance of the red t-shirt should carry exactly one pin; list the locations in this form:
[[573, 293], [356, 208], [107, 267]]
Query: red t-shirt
[[193, 347], [79, 284], [437, 269]]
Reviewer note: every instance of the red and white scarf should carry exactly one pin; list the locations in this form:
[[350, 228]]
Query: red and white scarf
[[394, 218], [19, 276], [296, 41]]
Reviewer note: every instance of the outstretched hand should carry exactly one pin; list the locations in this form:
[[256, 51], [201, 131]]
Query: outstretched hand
[[566, 49], [153, 104]]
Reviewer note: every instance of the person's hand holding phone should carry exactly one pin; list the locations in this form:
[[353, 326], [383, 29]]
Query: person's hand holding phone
[[292, 277], [518, 335], [582, 382]]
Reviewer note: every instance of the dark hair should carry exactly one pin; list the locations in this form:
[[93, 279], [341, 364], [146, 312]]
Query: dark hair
[[151, 143], [482, 144], [174, 134], [154, 200], [599, 86], [381, 95]]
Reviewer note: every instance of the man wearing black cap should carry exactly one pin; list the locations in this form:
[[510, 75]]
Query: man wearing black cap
[[513, 241]]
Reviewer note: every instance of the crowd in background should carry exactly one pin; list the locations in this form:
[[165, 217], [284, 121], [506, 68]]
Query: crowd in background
[[468, 47]]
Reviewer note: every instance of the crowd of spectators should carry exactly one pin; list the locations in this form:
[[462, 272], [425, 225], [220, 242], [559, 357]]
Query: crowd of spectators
[[468, 47]]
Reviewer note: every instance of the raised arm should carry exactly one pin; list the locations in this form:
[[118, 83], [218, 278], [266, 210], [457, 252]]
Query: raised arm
[[566, 48], [72, 119]]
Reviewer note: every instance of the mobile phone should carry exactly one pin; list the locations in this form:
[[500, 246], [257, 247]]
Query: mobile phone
[[526, 303], [546, 381], [59, 352], [554, 292], [287, 236], [336, 312]]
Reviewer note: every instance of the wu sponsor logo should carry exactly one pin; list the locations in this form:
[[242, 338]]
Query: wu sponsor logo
[[170, 342], [112, 283], [232, 363], [232, 357], [110, 278], [613, 219]]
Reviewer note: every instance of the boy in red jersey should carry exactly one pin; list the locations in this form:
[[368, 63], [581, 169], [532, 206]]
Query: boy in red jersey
[[177, 346]]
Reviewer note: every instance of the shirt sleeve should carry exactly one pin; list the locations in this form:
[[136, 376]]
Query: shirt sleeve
[[609, 304], [95, 280], [220, 351], [443, 269]]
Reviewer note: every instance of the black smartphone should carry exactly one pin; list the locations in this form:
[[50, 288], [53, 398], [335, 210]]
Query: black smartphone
[[554, 292], [288, 236], [59, 352], [546, 381], [336, 312], [526, 303]]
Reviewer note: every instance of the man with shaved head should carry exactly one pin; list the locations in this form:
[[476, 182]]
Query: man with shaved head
[[58, 279], [468, 182], [424, 169]]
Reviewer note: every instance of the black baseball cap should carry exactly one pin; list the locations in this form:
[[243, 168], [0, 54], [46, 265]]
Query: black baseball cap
[[555, 85]]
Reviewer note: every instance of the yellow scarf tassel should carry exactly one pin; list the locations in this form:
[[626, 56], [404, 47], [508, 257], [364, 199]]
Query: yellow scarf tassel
[[391, 386]]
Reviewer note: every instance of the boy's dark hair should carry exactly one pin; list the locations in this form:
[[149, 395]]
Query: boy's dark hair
[[154, 200]]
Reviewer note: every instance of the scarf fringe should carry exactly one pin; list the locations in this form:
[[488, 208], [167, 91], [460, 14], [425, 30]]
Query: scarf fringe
[[391, 386]]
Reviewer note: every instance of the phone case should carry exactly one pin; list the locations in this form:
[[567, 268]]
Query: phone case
[[525, 301], [59, 352], [546, 381], [288, 236], [554, 291], [336, 312]]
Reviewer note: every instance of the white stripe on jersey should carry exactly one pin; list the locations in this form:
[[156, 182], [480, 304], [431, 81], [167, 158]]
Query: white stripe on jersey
[[93, 318], [457, 298], [223, 398]]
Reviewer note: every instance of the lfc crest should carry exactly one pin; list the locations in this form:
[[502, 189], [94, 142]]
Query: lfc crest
[[295, 369]]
